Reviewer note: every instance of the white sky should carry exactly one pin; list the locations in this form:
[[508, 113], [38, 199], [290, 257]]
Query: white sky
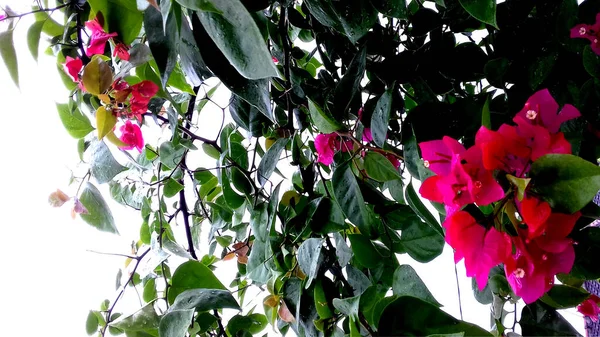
[[49, 279]]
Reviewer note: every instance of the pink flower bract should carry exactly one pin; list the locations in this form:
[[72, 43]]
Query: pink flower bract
[[131, 134], [541, 109], [590, 32], [589, 308], [73, 67], [122, 51], [98, 38]]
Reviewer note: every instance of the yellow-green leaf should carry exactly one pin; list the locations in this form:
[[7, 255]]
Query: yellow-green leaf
[[113, 139], [97, 76], [105, 121], [9, 55]]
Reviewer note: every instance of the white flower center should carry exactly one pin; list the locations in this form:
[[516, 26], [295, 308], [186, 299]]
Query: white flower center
[[531, 114], [582, 31]]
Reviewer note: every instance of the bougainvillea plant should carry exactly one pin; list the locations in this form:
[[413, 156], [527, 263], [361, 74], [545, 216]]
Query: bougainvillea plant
[[337, 111]]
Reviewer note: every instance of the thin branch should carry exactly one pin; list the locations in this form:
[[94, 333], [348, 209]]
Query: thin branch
[[221, 328], [18, 16], [113, 254], [458, 291], [84, 58], [123, 287]]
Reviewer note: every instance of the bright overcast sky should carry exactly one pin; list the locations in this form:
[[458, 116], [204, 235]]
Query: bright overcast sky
[[49, 281]]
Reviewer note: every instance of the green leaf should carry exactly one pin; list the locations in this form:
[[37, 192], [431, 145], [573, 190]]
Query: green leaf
[[161, 42], [149, 293], [565, 181], [204, 300], [563, 296], [381, 117], [393, 8], [537, 319], [352, 18], [253, 323], [191, 61], [232, 199], [364, 251], [495, 71], [172, 188], [235, 33], [269, 161], [541, 69], [408, 283], [310, 258], [199, 5], [9, 55], [324, 122], [485, 114], [99, 214], [103, 165], [422, 242], [175, 323], [91, 323], [142, 320], [348, 87], [591, 62], [192, 275], [350, 198], [421, 318], [171, 154], [97, 76], [33, 38], [348, 306], [419, 208], [121, 17], [379, 167], [77, 125], [482, 10], [105, 121]]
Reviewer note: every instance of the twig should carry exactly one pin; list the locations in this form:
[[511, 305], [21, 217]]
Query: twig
[[15, 16], [221, 328], [123, 287], [458, 291]]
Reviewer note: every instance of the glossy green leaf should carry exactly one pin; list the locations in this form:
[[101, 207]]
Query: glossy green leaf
[[348, 87], [142, 320], [379, 167], [565, 181], [97, 76], [350, 198], [324, 122], [564, 296], [591, 62], [482, 10], [381, 117], [149, 293], [175, 323], [99, 215], [408, 283], [541, 69], [269, 161], [122, 17], [172, 188], [310, 258], [421, 318], [419, 208], [351, 18], [422, 242], [348, 306], [253, 324], [9, 54], [199, 5], [33, 38], [192, 275], [91, 324], [485, 114], [364, 251], [393, 8], [232, 199], [237, 36], [204, 300], [161, 42], [538, 319], [77, 125], [103, 165], [105, 121], [171, 154]]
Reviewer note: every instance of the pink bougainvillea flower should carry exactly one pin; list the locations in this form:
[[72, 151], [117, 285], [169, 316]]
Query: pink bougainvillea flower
[[275, 60], [328, 144], [73, 67], [589, 308], [483, 187], [98, 38], [325, 144], [504, 149], [121, 90], [590, 32], [367, 136], [2, 17], [481, 248], [556, 229], [144, 90], [131, 134], [122, 51], [540, 140], [541, 109], [531, 271], [438, 154], [535, 212]]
